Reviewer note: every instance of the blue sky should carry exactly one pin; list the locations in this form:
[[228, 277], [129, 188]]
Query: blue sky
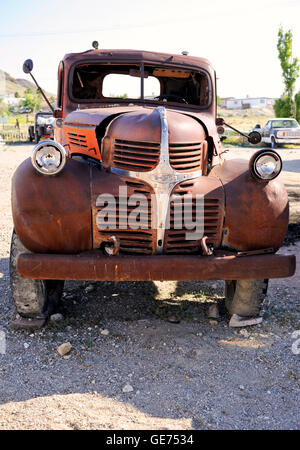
[[238, 37]]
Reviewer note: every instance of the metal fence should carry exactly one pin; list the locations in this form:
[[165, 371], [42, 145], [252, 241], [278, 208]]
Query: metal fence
[[14, 136], [11, 133]]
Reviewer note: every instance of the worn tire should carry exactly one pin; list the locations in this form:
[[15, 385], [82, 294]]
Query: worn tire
[[245, 297], [35, 299], [273, 143]]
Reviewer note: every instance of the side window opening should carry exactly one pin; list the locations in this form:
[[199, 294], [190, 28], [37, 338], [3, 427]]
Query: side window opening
[[60, 78]]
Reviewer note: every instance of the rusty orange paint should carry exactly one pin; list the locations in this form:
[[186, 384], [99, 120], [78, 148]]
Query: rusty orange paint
[[82, 140]]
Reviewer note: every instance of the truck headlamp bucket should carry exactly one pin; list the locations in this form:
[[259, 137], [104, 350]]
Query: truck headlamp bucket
[[49, 157], [265, 165]]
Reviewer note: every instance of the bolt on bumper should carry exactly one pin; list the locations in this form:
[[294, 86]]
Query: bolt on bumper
[[95, 266]]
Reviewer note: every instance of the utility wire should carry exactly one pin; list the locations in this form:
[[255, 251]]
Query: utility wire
[[95, 30]]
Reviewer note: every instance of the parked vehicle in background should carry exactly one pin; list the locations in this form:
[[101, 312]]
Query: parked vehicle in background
[[43, 127], [2, 143], [136, 187], [280, 131], [24, 110]]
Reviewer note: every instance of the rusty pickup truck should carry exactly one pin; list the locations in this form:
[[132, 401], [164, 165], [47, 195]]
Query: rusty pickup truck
[[136, 186]]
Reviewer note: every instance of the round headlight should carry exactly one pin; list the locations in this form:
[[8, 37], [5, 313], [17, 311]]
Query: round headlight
[[49, 157], [265, 165]]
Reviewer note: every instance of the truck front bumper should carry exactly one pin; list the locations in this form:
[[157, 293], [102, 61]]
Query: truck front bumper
[[97, 267]]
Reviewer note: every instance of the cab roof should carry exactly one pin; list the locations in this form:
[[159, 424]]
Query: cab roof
[[138, 56]]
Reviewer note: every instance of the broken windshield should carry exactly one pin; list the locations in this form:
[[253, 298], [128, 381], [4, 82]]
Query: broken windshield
[[105, 83]]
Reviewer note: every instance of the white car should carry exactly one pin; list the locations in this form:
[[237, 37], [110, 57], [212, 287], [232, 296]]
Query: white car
[[280, 131], [2, 142]]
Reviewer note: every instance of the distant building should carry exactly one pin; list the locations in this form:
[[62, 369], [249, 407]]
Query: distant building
[[243, 103], [11, 100], [223, 101]]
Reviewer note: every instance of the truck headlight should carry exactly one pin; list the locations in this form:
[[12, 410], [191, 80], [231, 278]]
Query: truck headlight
[[49, 157], [265, 165]]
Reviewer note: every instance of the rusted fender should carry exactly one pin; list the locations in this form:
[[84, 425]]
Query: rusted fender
[[52, 214], [256, 213]]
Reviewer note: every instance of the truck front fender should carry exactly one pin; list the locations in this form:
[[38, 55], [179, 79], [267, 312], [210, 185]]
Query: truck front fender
[[52, 214], [256, 213]]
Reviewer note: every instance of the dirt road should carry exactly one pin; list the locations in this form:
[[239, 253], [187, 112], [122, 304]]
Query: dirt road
[[144, 372]]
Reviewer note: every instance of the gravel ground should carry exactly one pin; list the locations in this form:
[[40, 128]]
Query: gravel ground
[[185, 375]]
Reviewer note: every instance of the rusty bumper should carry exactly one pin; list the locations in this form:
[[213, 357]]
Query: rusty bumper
[[94, 266]]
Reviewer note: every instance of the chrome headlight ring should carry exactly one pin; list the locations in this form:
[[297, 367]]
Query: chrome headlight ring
[[265, 165], [49, 157]]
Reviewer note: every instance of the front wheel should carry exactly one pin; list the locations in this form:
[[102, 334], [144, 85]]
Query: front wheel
[[245, 297], [35, 299]]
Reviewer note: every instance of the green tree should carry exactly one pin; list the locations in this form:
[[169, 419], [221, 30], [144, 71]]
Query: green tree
[[32, 99], [3, 108], [290, 66], [297, 101], [285, 106], [121, 96], [17, 95]]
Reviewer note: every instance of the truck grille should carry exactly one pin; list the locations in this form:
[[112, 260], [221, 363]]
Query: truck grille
[[144, 156], [140, 240], [185, 157], [175, 239], [135, 155], [292, 134]]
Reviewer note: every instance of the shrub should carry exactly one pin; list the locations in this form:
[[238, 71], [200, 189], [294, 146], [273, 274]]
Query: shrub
[[297, 101], [283, 107]]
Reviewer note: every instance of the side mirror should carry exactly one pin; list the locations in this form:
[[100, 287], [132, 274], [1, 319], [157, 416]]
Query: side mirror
[[220, 121], [254, 137], [257, 125], [28, 66]]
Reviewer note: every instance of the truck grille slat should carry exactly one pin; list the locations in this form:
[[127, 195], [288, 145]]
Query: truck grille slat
[[129, 158], [128, 155], [141, 166]]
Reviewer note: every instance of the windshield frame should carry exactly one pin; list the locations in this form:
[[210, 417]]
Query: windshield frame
[[142, 100], [282, 120]]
